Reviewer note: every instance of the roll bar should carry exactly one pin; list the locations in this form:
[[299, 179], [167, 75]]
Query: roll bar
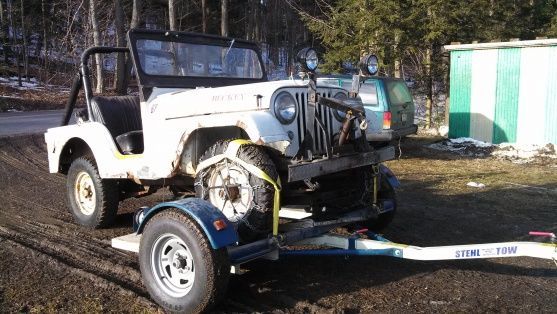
[[83, 79]]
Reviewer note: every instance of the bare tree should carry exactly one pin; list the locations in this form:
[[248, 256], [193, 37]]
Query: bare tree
[[204, 16], [45, 36], [224, 17], [4, 31], [172, 14], [25, 48], [135, 22], [119, 25], [10, 9], [97, 42]]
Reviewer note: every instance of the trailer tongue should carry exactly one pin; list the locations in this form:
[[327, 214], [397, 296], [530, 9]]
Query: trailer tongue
[[364, 242], [306, 232], [377, 245]]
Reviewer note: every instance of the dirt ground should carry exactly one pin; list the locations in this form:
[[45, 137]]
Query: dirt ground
[[49, 264]]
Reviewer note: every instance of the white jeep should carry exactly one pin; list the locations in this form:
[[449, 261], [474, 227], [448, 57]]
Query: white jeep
[[196, 94]]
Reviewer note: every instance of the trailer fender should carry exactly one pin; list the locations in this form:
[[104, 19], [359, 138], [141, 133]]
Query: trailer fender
[[385, 171], [202, 212]]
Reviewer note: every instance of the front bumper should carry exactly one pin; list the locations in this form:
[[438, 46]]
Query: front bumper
[[389, 135], [316, 168]]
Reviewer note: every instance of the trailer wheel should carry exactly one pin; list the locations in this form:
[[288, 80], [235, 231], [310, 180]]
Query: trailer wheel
[[180, 269], [93, 201], [386, 191], [245, 199]]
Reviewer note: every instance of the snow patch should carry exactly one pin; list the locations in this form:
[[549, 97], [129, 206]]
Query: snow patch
[[469, 141], [525, 152], [33, 84], [518, 153]]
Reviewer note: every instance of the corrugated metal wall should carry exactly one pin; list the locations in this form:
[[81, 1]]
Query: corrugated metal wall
[[504, 95], [461, 78]]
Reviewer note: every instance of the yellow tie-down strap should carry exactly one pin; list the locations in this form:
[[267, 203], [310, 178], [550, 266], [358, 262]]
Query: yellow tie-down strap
[[231, 154]]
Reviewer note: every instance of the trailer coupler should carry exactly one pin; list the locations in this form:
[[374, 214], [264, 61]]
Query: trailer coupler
[[377, 245]]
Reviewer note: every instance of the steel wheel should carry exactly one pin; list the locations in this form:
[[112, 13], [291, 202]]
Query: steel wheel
[[173, 265], [230, 190], [85, 193], [180, 269]]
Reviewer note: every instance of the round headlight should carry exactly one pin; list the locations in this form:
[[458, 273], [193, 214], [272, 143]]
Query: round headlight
[[369, 64], [285, 108], [308, 59], [339, 114]]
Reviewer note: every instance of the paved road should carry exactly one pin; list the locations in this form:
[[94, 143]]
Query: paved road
[[12, 123]]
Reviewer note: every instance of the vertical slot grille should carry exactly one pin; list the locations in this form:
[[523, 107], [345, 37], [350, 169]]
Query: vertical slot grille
[[319, 145]]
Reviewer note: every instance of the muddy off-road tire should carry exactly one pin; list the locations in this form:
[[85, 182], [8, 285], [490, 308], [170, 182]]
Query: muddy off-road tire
[[93, 201], [180, 269], [251, 209]]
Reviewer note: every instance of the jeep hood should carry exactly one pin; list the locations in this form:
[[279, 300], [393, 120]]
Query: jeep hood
[[205, 101]]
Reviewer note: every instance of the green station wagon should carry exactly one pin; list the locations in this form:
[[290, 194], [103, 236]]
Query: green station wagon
[[390, 101]]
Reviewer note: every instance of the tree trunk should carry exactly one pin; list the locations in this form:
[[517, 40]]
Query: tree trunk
[[204, 16], [135, 22], [136, 13], [4, 32], [172, 14], [120, 73], [96, 42], [251, 20], [224, 17], [447, 79], [25, 48], [10, 11], [45, 38], [429, 89], [256, 20], [397, 63]]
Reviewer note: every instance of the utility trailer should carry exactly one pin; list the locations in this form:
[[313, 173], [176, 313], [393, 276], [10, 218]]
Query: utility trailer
[[186, 248]]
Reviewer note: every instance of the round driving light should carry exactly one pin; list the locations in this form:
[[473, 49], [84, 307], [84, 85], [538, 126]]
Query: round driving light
[[369, 64], [285, 108], [307, 57], [339, 114]]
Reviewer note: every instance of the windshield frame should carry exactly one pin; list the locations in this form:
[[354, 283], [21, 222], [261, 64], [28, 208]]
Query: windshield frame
[[148, 81]]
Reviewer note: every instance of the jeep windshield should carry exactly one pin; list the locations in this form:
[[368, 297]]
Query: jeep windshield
[[158, 57], [188, 60]]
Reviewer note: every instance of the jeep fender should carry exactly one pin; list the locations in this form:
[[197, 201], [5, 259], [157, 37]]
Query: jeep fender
[[203, 213], [97, 139], [260, 127]]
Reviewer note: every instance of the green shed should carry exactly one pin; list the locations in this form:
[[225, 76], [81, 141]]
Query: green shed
[[504, 92]]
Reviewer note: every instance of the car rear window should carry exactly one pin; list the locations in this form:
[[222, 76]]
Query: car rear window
[[398, 93], [368, 92]]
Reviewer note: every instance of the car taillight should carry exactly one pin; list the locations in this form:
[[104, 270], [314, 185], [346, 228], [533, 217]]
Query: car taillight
[[387, 120]]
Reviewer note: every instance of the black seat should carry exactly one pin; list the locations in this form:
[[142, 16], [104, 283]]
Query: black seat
[[122, 117]]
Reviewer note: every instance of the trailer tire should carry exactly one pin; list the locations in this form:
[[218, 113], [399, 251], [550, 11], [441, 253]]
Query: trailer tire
[[256, 221], [194, 276], [92, 201]]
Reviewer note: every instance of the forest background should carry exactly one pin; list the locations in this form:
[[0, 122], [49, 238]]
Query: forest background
[[42, 39]]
